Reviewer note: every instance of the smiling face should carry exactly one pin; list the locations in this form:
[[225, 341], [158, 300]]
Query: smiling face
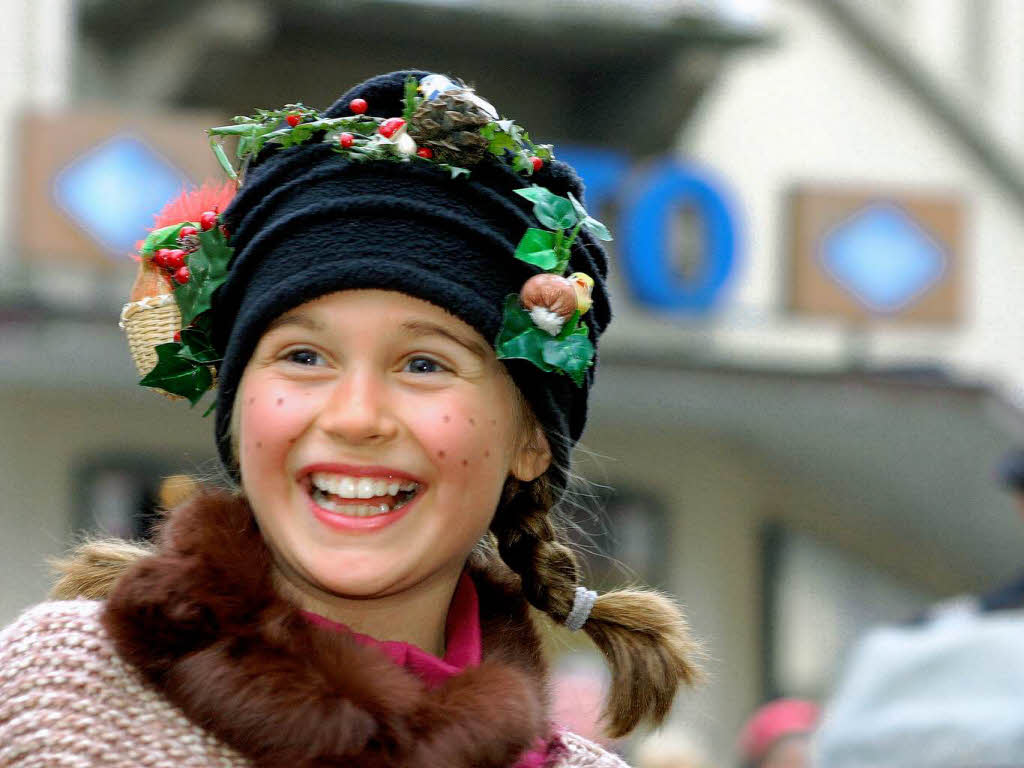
[[377, 394]]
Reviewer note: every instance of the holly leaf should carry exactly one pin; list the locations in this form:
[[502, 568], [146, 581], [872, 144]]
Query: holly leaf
[[571, 355], [499, 139], [196, 347], [553, 211], [538, 248], [165, 237], [208, 268], [176, 375]]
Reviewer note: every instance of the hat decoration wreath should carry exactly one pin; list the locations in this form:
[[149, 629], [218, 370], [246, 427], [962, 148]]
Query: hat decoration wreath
[[443, 123]]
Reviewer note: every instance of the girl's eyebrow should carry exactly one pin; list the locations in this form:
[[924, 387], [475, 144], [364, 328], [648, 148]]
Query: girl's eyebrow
[[302, 321], [427, 328]]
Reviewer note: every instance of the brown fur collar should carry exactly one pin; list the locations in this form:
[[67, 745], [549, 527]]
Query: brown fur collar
[[200, 620]]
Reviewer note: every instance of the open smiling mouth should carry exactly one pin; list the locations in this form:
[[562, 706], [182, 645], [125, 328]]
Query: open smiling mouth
[[360, 496]]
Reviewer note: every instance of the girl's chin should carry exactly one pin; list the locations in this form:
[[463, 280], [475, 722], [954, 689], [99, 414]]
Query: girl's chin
[[355, 584]]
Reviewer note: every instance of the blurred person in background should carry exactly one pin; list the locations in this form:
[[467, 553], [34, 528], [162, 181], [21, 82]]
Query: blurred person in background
[[402, 370], [671, 747], [778, 735]]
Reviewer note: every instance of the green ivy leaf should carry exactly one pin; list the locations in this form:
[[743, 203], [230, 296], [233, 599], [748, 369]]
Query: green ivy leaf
[[596, 228], [553, 211], [571, 327], [538, 248], [528, 345], [515, 319], [535, 193], [207, 269], [176, 375], [455, 170], [571, 355]]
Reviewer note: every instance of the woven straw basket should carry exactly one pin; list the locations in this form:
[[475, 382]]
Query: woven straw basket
[[148, 322]]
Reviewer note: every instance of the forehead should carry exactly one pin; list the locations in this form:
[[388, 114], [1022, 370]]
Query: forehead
[[390, 312]]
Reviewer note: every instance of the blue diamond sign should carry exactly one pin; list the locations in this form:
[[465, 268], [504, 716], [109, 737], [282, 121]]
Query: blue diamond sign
[[883, 258], [113, 190]]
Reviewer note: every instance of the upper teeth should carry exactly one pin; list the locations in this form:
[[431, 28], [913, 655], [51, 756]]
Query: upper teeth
[[359, 487]]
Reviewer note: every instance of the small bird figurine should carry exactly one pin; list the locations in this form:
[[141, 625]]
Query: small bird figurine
[[551, 299], [583, 284], [433, 86]]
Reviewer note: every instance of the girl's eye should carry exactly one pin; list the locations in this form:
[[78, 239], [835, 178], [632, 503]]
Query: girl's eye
[[303, 357], [424, 365]]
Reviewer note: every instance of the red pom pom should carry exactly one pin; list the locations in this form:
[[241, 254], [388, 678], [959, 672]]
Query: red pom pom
[[425, 152], [390, 126], [207, 219], [537, 163], [358, 106], [182, 275], [189, 205], [293, 120], [160, 257], [346, 140], [177, 336], [188, 232]]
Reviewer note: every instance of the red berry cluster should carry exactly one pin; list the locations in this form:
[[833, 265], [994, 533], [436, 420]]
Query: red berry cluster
[[173, 259]]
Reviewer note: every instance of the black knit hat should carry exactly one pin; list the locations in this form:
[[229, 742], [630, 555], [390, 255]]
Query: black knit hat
[[309, 221]]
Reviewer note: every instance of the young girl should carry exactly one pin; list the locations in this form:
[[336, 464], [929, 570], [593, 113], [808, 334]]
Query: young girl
[[401, 306]]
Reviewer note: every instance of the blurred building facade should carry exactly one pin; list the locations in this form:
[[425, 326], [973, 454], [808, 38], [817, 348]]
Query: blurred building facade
[[816, 356]]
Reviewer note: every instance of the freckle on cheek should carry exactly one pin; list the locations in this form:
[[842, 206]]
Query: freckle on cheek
[[447, 418], [487, 454], [465, 463], [280, 401], [494, 422], [472, 421], [259, 444], [252, 400], [440, 454]]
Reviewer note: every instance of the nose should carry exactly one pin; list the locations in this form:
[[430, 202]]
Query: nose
[[358, 409]]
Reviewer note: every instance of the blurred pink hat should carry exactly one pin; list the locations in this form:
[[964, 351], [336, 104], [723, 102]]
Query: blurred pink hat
[[782, 717]]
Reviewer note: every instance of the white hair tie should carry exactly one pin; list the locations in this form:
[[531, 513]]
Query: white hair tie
[[582, 602]]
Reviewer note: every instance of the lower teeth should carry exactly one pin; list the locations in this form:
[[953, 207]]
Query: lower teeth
[[357, 510]]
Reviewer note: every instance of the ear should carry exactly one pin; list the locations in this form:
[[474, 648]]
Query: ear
[[533, 458]]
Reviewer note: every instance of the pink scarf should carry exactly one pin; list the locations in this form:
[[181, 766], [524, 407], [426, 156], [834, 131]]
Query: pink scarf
[[463, 648]]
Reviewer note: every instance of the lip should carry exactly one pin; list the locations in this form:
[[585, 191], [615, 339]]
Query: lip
[[354, 470], [355, 524]]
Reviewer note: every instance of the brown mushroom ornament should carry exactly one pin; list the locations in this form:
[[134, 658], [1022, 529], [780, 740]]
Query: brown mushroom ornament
[[551, 299]]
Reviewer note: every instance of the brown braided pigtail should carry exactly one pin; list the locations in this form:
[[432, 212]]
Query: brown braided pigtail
[[641, 633]]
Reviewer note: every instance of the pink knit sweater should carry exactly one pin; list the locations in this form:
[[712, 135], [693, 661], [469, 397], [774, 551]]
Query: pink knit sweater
[[67, 699]]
